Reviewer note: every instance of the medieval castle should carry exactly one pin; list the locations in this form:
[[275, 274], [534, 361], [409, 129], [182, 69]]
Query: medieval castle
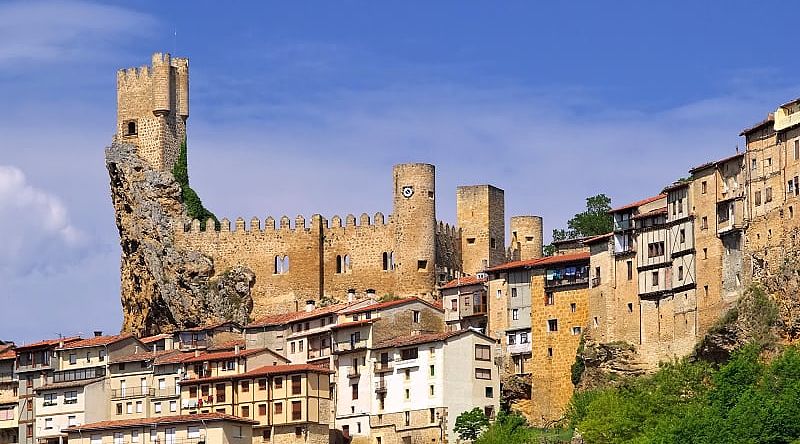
[[409, 252]]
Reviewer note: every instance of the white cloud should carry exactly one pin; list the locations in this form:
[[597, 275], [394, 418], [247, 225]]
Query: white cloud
[[60, 30], [35, 226]]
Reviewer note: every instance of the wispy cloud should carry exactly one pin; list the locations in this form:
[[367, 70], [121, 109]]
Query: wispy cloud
[[37, 232], [50, 31]]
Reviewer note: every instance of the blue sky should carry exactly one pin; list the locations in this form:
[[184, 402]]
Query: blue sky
[[303, 107]]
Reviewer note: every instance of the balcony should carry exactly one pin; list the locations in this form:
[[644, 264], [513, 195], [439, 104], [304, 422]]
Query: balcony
[[7, 378], [79, 375], [595, 281], [319, 353], [380, 386], [353, 372], [564, 281], [519, 349], [383, 367], [348, 346], [166, 392], [133, 392]]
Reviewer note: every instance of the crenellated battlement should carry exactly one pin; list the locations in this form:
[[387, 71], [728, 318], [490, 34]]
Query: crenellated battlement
[[445, 229], [285, 223]]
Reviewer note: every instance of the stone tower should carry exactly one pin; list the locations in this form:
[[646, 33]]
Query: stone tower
[[415, 221], [526, 237], [152, 108], [480, 210]]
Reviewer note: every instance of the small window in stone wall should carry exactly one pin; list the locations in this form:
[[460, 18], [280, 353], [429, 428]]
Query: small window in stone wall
[[130, 128]]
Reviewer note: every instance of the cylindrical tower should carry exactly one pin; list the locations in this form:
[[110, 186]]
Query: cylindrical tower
[[182, 85], [415, 228], [526, 236], [161, 83]]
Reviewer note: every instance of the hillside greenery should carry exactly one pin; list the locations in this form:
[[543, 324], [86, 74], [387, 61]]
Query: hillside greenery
[[194, 206]]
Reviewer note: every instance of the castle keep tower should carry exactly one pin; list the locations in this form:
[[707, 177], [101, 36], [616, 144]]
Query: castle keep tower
[[152, 108], [526, 237], [480, 210], [415, 221]]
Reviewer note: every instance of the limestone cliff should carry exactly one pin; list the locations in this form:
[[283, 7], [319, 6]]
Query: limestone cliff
[[162, 286]]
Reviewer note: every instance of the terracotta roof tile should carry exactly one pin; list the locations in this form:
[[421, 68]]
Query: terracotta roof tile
[[148, 356], [219, 356], [651, 213], [638, 203], [285, 318], [402, 341], [7, 353], [96, 341], [151, 339], [211, 326], [389, 304], [67, 384], [48, 343], [353, 324], [266, 370], [227, 345], [770, 118], [463, 281], [540, 262], [163, 420], [714, 163], [594, 239]]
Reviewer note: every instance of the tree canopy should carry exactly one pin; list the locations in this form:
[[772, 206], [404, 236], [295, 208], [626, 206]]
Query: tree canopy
[[593, 221], [470, 424]]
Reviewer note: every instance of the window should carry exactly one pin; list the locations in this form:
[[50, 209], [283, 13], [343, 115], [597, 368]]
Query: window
[[549, 352], [139, 407], [29, 433], [262, 409], [409, 353], [407, 373], [515, 314], [753, 164], [489, 392], [134, 436], [297, 382], [703, 187], [73, 359], [297, 410], [118, 436], [597, 275], [293, 347], [512, 339], [433, 370], [230, 365], [768, 162], [573, 307], [219, 389], [415, 316], [454, 305], [48, 423], [262, 384], [266, 434], [523, 337], [483, 373], [407, 394], [704, 223], [245, 411], [705, 253], [758, 198], [278, 382], [408, 421], [630, 307], [278, 408], [466, 301], [552, 325], [354, 391], [796, 149], [492, 243], [768, 195], [790, 187], [431, 390], [102, 355], [130, 128], [119, 408], [432, 415], [655, 278], [173, 406], [157, 407], [596, 321], [470, 240], [630, 270], [680, 272], [682, 235], [50, 399], [193, 432], [281, 264], [549, 299], [193, 392], [422, 265], [576, 330], [129, 408], [483, 352], [513, 292], [655, 249]]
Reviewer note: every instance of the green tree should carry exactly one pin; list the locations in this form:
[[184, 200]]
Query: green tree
[[594, 221], [194, 206], [469, 425]]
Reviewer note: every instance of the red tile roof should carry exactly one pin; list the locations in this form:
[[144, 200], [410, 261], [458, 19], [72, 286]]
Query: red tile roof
[[651, 213], [389, 304], [714, 163], [48, 343], [96, 341], [353, 324], [266, 370], [219, 356], [463, 281], [638, 203], [285, 318], [540, 262], [424, 338], [163, 420], [770, 118], [150, 339], [154, 356], [211, 326], [594, 239], [7, 352], [227, 345]]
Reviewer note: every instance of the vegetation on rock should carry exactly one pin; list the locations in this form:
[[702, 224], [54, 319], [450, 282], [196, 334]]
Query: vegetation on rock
[[470, 424], [194, 206]]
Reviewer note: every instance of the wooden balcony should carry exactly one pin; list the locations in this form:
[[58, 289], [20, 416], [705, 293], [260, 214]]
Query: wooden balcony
[[383, 367], [380, 386]]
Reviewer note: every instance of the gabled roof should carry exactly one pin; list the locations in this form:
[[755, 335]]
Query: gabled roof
[[219, 356], [651, 213], [155, 356], [156, 338], [7, 352], [152, 422], [353, 324], [424, 338], [542, 261], [295, 316], [48, 343], [213, 326], [463, 281], [389, 304], [770, 119], [599, 238], [96, 341], [714, 163], [638, 203], [267, 370]]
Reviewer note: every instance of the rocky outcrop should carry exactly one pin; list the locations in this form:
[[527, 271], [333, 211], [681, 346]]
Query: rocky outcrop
[[607, 363], [162, 286]]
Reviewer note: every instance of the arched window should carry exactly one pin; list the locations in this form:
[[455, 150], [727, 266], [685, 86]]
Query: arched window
[[286, 264], [347, 266], [338, 264], [385, 261], [130, 128]]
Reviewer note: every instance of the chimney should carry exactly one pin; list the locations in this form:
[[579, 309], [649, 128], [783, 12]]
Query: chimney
[[236, 349], [351, 295], [196, 353], [98, 333], [310, 305], [371, 293]]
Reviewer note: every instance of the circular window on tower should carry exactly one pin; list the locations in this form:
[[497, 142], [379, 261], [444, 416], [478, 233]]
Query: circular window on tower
[[408, 191]]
